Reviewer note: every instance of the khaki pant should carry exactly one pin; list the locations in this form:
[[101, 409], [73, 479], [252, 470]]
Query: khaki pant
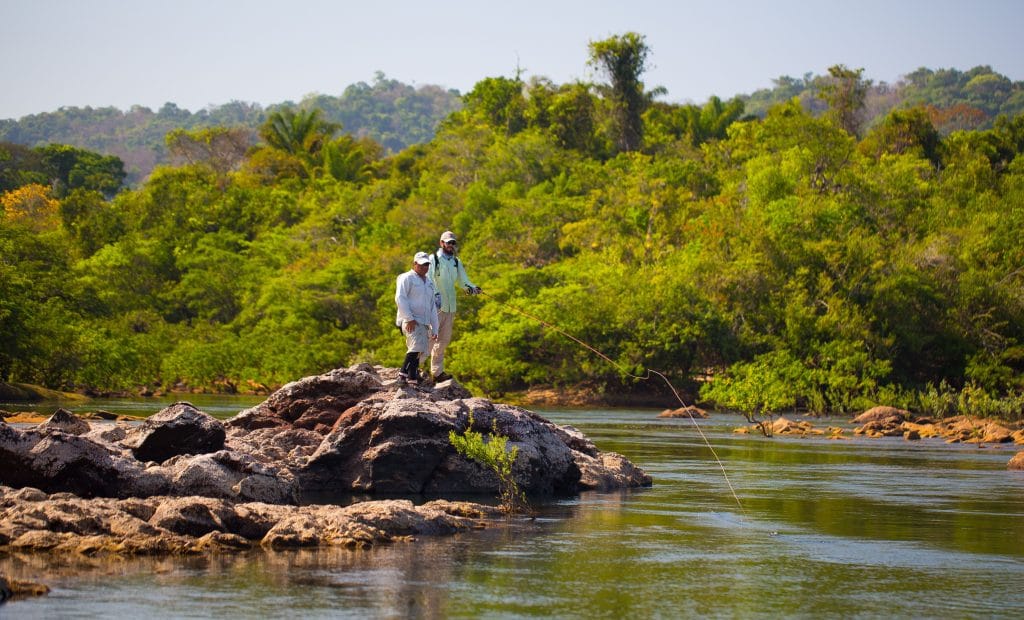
[[444, 336], [418, 341]]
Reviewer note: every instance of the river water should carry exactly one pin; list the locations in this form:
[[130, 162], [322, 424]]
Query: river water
[[856, 528]]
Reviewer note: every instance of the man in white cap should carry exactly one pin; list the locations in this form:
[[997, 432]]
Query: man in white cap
[[417, 300], [447, 272]]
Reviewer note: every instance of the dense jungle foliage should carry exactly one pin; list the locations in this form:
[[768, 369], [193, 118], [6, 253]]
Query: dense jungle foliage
[[795, 261]]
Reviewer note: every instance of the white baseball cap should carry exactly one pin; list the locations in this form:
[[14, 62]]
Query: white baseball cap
[[447, 236], [421, 258]]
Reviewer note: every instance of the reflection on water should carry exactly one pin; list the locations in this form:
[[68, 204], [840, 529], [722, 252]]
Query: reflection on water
[[855, 528]]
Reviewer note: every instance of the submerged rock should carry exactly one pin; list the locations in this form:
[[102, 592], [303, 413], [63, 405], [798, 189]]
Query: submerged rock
[[13, 589], [1017, 462], [684, 412]]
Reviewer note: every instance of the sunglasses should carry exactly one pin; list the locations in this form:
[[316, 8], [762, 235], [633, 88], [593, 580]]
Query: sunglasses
[[451, 242]]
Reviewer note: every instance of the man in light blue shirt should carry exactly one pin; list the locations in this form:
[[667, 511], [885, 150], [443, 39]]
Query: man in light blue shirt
[[417, 300], [447, 273]]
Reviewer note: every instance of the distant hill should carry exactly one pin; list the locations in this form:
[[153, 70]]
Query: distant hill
[[394, 114], [954, 99], [397, 115]]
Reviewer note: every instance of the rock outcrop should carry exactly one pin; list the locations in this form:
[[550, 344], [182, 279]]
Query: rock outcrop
[[891, 422], [957, 429], [64, 523], [1017, 462], [183, 481], [401, 446], [354, 431], [95, 465], [882, 414]]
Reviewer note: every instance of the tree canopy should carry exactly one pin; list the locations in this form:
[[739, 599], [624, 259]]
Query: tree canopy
[[763, 264]]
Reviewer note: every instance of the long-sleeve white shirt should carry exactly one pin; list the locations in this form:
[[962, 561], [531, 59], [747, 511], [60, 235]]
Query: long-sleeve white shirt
[[415, 298], [446, 274]]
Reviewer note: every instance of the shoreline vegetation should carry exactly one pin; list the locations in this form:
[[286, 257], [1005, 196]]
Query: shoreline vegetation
[[878, 421], [947, 403]]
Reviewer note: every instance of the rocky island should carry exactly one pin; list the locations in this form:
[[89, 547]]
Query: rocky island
[[345, 458]]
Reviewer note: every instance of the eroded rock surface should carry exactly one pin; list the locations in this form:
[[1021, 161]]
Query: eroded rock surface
[[31, 520], [182, 481], [175, 430]]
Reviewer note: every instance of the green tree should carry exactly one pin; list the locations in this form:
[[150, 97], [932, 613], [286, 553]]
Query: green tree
[[38, 318], [72, 168], [20, 165], [499, 102], [623, 59], [92, 221], [904, 131], [690, 123], [300, 135], [220, 148], [845, 91], [348, 159]]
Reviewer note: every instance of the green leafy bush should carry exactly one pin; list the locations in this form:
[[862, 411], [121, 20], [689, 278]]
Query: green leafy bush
[[492, 452]]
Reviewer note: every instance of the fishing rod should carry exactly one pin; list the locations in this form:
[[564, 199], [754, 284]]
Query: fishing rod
[[627, 373]]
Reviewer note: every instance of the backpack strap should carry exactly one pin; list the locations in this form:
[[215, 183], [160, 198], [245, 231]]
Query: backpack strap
[[433, 257]]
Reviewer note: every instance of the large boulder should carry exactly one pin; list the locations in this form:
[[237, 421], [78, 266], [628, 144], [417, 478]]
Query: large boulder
[[177, 429], [356, 431], [231, 475], [402, 446], [56, 461], [882, 414], [312, 403]]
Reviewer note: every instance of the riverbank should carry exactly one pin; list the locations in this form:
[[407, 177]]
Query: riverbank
[[28, 393], [576, 396]]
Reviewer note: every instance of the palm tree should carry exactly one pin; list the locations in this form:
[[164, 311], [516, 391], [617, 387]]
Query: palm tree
[[302, 132]]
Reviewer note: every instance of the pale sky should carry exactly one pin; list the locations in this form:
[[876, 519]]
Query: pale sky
[[198, 53]]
